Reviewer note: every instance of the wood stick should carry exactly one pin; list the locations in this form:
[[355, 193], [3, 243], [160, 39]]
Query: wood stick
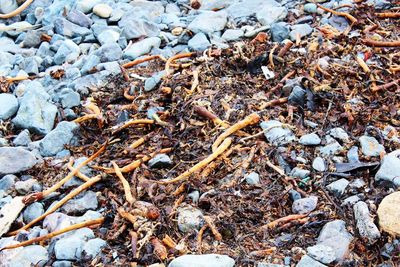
[[374, 43], [159, 249], [142, 60], [55, 207], [285, 48], [78, 173], [16, 11], [213, 228], [386, 86], [200, 237], [126, 124], [363, 65], [202, 164], [285, 219], [249, 120], [338, 13], [273, 102], [169, 242], [394, 15], [56, 233], [173, 58], [125, 184], [126, 215]]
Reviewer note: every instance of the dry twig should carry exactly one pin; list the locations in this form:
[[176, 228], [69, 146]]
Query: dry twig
[[16, 11], [125, 184]]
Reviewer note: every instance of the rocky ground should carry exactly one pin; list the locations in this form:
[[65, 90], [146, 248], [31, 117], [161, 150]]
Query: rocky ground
[[308, 177]]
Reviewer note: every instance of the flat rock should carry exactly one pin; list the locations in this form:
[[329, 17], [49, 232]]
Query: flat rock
[[160, 161], [232, 34], [15, 160], [365, 223], [252, 178], [142, 47], [243, 9], [277, 133], [339, 133], [33, 211], [305, 205], [206, 260], [321, 253], [370, 146], [31, 255], [311, 139], [8, 106], [389, 214], [299, 173], [338, 187], [279, 31], [331, 148], [389, 170], [199, 42], [209, 22], [301, 30], [22, 139], [134, 27], [319, 164], [84, 202], [307, 261], [93, 247], [7, 182], [55, 141], [69, 248], [271, 14]]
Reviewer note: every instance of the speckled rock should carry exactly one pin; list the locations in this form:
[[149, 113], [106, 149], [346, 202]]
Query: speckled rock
[[189, 219]]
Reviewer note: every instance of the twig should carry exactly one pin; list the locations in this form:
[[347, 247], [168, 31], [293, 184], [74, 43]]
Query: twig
[[126, 215], [56, 233], [285, 219], [169, 242], [213, 228], [16, 11], [142, 60], [227, 142], [159, 249], [125, 184], [134, 240], [173, 58], [126, 124], [374, 43], [94, 112], [271, 56], [58, 204], [393, 15], [281, 83], [285, 48], [200, 237], [263, 252], [273, 102], [78, 173], [363, 65], [249, 120], [385, 86], [338, 13]]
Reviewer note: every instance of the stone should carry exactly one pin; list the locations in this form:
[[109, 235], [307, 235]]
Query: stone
[[86, 6], [108, 36], [335, 235], [389, 214], [279, 31], [25, 187], [7, 182], [266, 264], [55, 141], [152, 82], [365, 223], [299, 173], [142, 47], [69, 248], [7, 6], [109, 52], [35, 113], [319, 164], [310, 8], [252, 178], [352, 155], [300, 29], [33, 255], [389, 170], [277, 133], [305, 205], [307, 261], [232, 35], [82, 203], [243, 9], [62, 264], [311, 139], [133, 27], [8, 106], [350, 200], [79, 18], [69, 29], [294, 195], [91, 62], [102, 10], [160, 161], [199, 42], [370, 146], [209, 22], [93, 247], [64, 52], [321, 253], [271, 14], [22, 139], [15, 160], [205, 260], [33, 211], [331, 148], [189, 219], [338, 187]]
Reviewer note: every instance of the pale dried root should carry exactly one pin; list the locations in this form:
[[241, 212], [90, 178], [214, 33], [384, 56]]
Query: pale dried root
[[125, 184], [16, 11]]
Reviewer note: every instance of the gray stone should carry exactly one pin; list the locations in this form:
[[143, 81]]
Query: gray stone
[[294, 195], [338, 187], [62, 264], [7, 182], [311, 139], [209, 22], [319, 164], [8, 106], [55, 141], [15, 160], [33, 211], [307, 261], [22, 139], [152, 82], [300, 29], [279, 31], [199, 42], [252, 178], [271, 14], [243, 9], [277, 133], [189, 219], [299, 173], [84, 202], [365, 223], [30, 66], [108, 36], [57, 220], [93, 247], [352, 155], [370, 146], [160, 161], [205, 260], [64, 52], [86, 6], [109, 52], [331, 148], [142, 47], [266, 264], [310, 8], [69, 29], [75, 181], [79, 18], [304, 205], [69, 248], [232, 35], [102, 10], [133, 27], [7, 6], [69, 98], [25, 187], [150, 10], [33, 255], [389, 170], [335, 235], [350, 200], [91, 61], [321, 253]]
